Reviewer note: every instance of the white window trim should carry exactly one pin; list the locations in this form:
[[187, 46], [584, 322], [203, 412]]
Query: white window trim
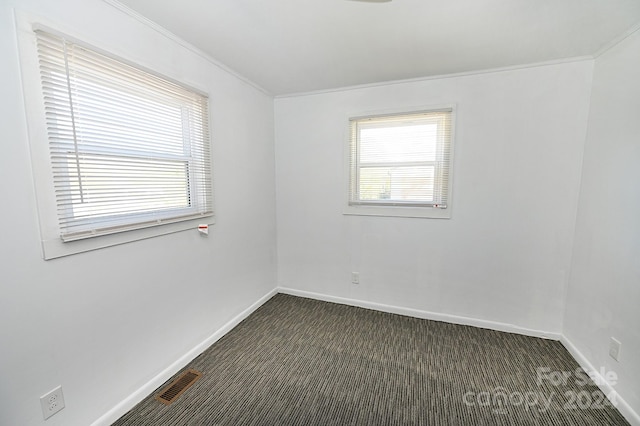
[[52, 245], [398, 210]]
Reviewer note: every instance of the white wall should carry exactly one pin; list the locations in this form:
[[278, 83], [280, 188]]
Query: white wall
[[504, 256], [93, 322], [103, 323], [604, 292]]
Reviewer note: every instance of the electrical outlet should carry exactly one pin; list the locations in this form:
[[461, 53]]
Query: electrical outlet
[[355, 278], [614, 348], [52, 402]]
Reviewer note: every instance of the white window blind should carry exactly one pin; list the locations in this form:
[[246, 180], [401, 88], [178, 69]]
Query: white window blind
[[128, 149], [401, 160]]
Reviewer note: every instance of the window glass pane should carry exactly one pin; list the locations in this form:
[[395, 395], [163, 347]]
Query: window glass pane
[[116, 185], [397, 183], [394, 144], [112, 114]]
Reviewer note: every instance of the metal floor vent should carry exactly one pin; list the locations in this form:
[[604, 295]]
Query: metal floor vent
[[178, 386]]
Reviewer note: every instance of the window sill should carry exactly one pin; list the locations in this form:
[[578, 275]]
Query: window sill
[[54, 248], [398, 211]]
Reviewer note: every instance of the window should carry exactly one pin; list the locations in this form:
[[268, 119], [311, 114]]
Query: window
[[400, 164], [128, 149]]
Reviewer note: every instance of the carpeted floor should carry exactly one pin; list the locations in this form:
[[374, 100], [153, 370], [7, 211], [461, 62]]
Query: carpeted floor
[[298, 361]]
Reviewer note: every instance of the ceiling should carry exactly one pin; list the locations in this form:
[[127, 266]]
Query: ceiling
[[291, 46]]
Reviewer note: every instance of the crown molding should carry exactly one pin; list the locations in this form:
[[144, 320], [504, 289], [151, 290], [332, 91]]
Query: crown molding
[[171, 36]]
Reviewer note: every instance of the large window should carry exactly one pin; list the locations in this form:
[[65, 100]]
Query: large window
[[400, 164], [128, 149]]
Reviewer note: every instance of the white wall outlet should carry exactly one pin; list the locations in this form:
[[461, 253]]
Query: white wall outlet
[[614, 348], [355, 278], [52, 402]]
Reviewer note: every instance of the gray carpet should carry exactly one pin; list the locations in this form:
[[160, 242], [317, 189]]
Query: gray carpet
[[298, 361]]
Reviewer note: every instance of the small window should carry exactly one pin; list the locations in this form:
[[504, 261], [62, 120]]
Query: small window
[[400, 164], [128, 149]]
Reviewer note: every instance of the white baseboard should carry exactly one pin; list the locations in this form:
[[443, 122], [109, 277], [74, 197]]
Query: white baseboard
[[624, 408], [416, 313], [128, 403], [615, 398]]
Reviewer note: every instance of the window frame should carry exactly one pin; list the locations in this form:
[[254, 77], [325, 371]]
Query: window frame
[[51, 243], [395, 209]]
